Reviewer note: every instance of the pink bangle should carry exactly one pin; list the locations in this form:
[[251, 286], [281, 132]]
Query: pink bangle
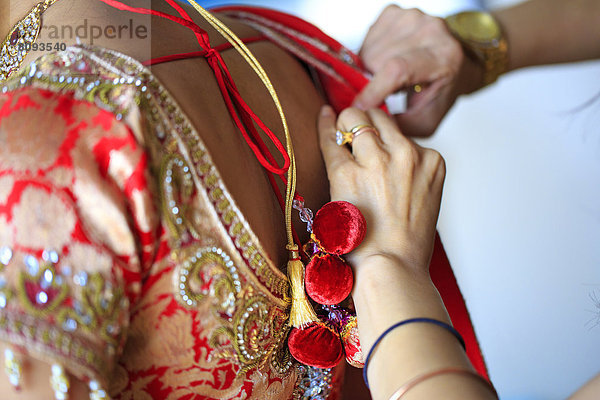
[[421, 378]]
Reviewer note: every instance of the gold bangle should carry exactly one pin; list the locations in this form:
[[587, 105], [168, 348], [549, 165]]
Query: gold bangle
[[421, 378]]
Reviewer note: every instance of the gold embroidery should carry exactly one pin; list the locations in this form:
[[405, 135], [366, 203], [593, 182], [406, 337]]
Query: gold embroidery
[[97, 309], [252, 329], [257, 303], [111, 80]]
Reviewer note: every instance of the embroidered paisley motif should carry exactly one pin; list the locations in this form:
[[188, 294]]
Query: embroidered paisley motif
[[208, 309]]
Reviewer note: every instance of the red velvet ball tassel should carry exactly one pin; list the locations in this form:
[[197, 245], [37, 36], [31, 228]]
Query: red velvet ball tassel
[[328, 279], [317, 345], [339, 227]]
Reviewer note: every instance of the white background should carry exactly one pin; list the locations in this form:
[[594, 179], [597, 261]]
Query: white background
[[520, 215]]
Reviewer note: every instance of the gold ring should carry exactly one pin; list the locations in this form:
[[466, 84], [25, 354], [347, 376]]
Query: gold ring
[[417, 88], [346, 137], [363, 129]]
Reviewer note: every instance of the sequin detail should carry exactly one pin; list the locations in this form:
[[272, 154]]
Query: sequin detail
[[313, 383]]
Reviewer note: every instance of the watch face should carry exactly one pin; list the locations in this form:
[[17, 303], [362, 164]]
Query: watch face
[[474, 25]]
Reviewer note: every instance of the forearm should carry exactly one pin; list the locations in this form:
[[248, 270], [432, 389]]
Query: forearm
[[551, 31], [386, 292]]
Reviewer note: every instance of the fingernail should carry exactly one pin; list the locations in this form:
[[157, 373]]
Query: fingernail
[[326, 110]]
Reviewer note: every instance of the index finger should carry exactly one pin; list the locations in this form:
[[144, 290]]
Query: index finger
[[393, 76], [333, 154]]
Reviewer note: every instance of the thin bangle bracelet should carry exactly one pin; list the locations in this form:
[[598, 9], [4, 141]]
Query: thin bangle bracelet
[[408, 321], [421, 378]]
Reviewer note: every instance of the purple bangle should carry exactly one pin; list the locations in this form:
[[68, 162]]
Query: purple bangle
[[441, 324]]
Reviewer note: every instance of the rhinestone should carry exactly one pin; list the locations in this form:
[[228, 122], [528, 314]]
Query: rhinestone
[[181, 286], [47, 279], [42, 298], [33, 266], [5, 255], [50, 255], [175, 210], [3, 300], [138, 82], [23, 80], [14, 37], [70, 325], [182, 278], [66, 270], [4, 89], [94, 385], [112, 329], [39, 74], [190, 302], [122, 80], [144, 88], [182, 292], [61, 79], [81, 278]]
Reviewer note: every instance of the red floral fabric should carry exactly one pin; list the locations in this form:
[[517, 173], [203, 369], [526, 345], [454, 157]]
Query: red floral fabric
[[152, 284]]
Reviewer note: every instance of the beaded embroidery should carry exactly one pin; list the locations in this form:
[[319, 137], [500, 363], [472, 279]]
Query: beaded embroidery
[[249, 304], [314, 383], [19, 40]]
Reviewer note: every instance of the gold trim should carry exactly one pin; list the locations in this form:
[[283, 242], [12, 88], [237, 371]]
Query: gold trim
[[28, 29]]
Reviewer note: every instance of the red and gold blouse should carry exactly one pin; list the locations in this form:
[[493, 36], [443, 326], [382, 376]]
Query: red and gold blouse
[[123, 256]]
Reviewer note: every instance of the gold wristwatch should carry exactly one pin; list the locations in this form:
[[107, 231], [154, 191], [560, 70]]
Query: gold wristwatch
[[481, 36]]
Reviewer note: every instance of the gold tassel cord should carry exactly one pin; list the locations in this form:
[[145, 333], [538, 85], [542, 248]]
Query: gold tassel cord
[[301, 313]]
